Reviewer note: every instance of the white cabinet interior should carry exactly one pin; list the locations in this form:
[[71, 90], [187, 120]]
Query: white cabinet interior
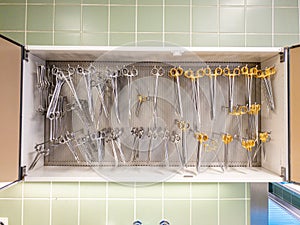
[[210, 126]]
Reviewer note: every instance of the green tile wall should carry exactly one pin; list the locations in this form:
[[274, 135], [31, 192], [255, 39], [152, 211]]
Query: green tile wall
[[208, 23], [143, 23], [82, 203]]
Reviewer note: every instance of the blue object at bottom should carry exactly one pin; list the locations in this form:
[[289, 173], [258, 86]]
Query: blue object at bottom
[[279, 216]]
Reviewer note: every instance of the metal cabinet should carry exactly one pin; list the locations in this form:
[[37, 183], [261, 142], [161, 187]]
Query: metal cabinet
[[275, 165]]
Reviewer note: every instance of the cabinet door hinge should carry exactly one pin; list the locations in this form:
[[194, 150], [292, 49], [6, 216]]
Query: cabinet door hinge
[[283, 173], [23, 172], [282, 56], [25, 54]]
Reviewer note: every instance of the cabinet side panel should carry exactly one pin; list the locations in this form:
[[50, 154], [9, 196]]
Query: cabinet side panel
[[275, 121], [294, 114], [32, 120], [10, 94]]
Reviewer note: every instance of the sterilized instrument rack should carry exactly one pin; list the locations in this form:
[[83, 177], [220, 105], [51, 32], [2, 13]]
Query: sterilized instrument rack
[[100, 113]]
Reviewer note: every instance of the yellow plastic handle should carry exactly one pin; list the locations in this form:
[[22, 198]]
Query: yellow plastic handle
[[201, 137], [264, 136], [189, 74], [227, 138], [248, 144]]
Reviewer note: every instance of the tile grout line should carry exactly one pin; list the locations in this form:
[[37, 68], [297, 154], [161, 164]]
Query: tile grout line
[[219, 17], [136, 24], [246, 202], [134, 202], [106, 203], [191, 207], [191, 22], [163, 22], [108, 23], [79, 206], [299, 19], [162, 200], [22, 207], [53, 27], [51, 188], [26, 9], [81, 24], [245, 22], [273, 24], [218, 203]]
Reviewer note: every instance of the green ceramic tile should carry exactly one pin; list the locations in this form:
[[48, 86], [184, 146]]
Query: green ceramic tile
[[234, 40], [14, 191], [12, 1], [232, 19], [64, 190], [12, 17], [204, 190], [153, 212], [64, 212], [123, 2], [232, 190], [286, 20], [149, 39], [177, 2], [205, 40], [36, 212], [285, 40], [92, 212], [150, 2], [120, 212], [117, 39], [259, 20], [177, 19], [68, 1], [120, 190], [232, 2], [93, 190], [94, 18], [40, 17], [177, 212], [122, 19], [95, 1], [177, 190], [150, 19], [16, 36], [40, 1], [205, 2], [229, 211], [12, 209], [259, 2], [205, 209], [67, 17], [248, 195], [36, 189], [149, 190], [64, 38], [98, 39], [38, 38], [279, 3], [177, 39], [205, 19]]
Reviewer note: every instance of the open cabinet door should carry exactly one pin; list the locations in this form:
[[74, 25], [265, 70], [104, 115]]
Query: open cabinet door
[[294, 108], [11, 57]]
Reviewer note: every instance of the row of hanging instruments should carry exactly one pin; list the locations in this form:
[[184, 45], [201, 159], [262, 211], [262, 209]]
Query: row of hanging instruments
[[152, 114]]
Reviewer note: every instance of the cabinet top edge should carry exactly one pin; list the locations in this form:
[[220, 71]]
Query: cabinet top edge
[[154, 49]]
